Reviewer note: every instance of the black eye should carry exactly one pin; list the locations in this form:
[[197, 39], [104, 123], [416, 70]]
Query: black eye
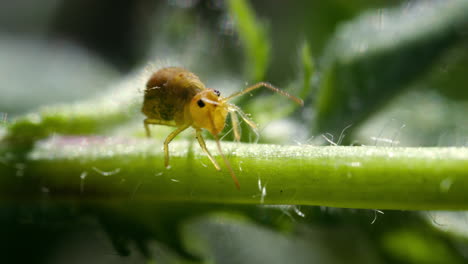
[[200, 103], [217, 92]]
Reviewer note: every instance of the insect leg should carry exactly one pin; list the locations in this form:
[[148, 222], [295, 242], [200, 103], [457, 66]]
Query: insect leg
[[249, 121], [147, 121], [201, 141], [150, 121], [235, 125], [168, 140]]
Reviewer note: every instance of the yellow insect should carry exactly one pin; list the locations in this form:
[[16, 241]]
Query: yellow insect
[[176, 97]]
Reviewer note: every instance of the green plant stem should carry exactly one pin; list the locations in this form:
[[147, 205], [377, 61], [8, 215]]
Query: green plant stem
[[352, 177]]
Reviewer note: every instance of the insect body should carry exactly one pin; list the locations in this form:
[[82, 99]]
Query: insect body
[[176, 97]]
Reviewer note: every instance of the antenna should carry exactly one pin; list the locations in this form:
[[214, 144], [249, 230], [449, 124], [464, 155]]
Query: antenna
[[269, 86]]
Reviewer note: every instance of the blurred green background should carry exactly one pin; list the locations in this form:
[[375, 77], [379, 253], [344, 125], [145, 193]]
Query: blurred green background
[[384, 73]]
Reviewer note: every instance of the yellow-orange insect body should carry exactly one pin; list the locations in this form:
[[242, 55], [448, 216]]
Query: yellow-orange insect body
[[177, 97]]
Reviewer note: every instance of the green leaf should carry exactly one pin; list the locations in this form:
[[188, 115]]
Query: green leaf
[[308, 70], [452, 223], [254, 38], [413, 247], [450, 77], [374, 57], [433, 121], [115, 106]]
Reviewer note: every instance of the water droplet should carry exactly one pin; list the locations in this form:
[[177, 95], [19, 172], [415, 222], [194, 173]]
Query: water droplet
[[446, 184]]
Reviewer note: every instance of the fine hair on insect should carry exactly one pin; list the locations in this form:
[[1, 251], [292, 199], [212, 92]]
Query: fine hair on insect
[[176, 97]]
